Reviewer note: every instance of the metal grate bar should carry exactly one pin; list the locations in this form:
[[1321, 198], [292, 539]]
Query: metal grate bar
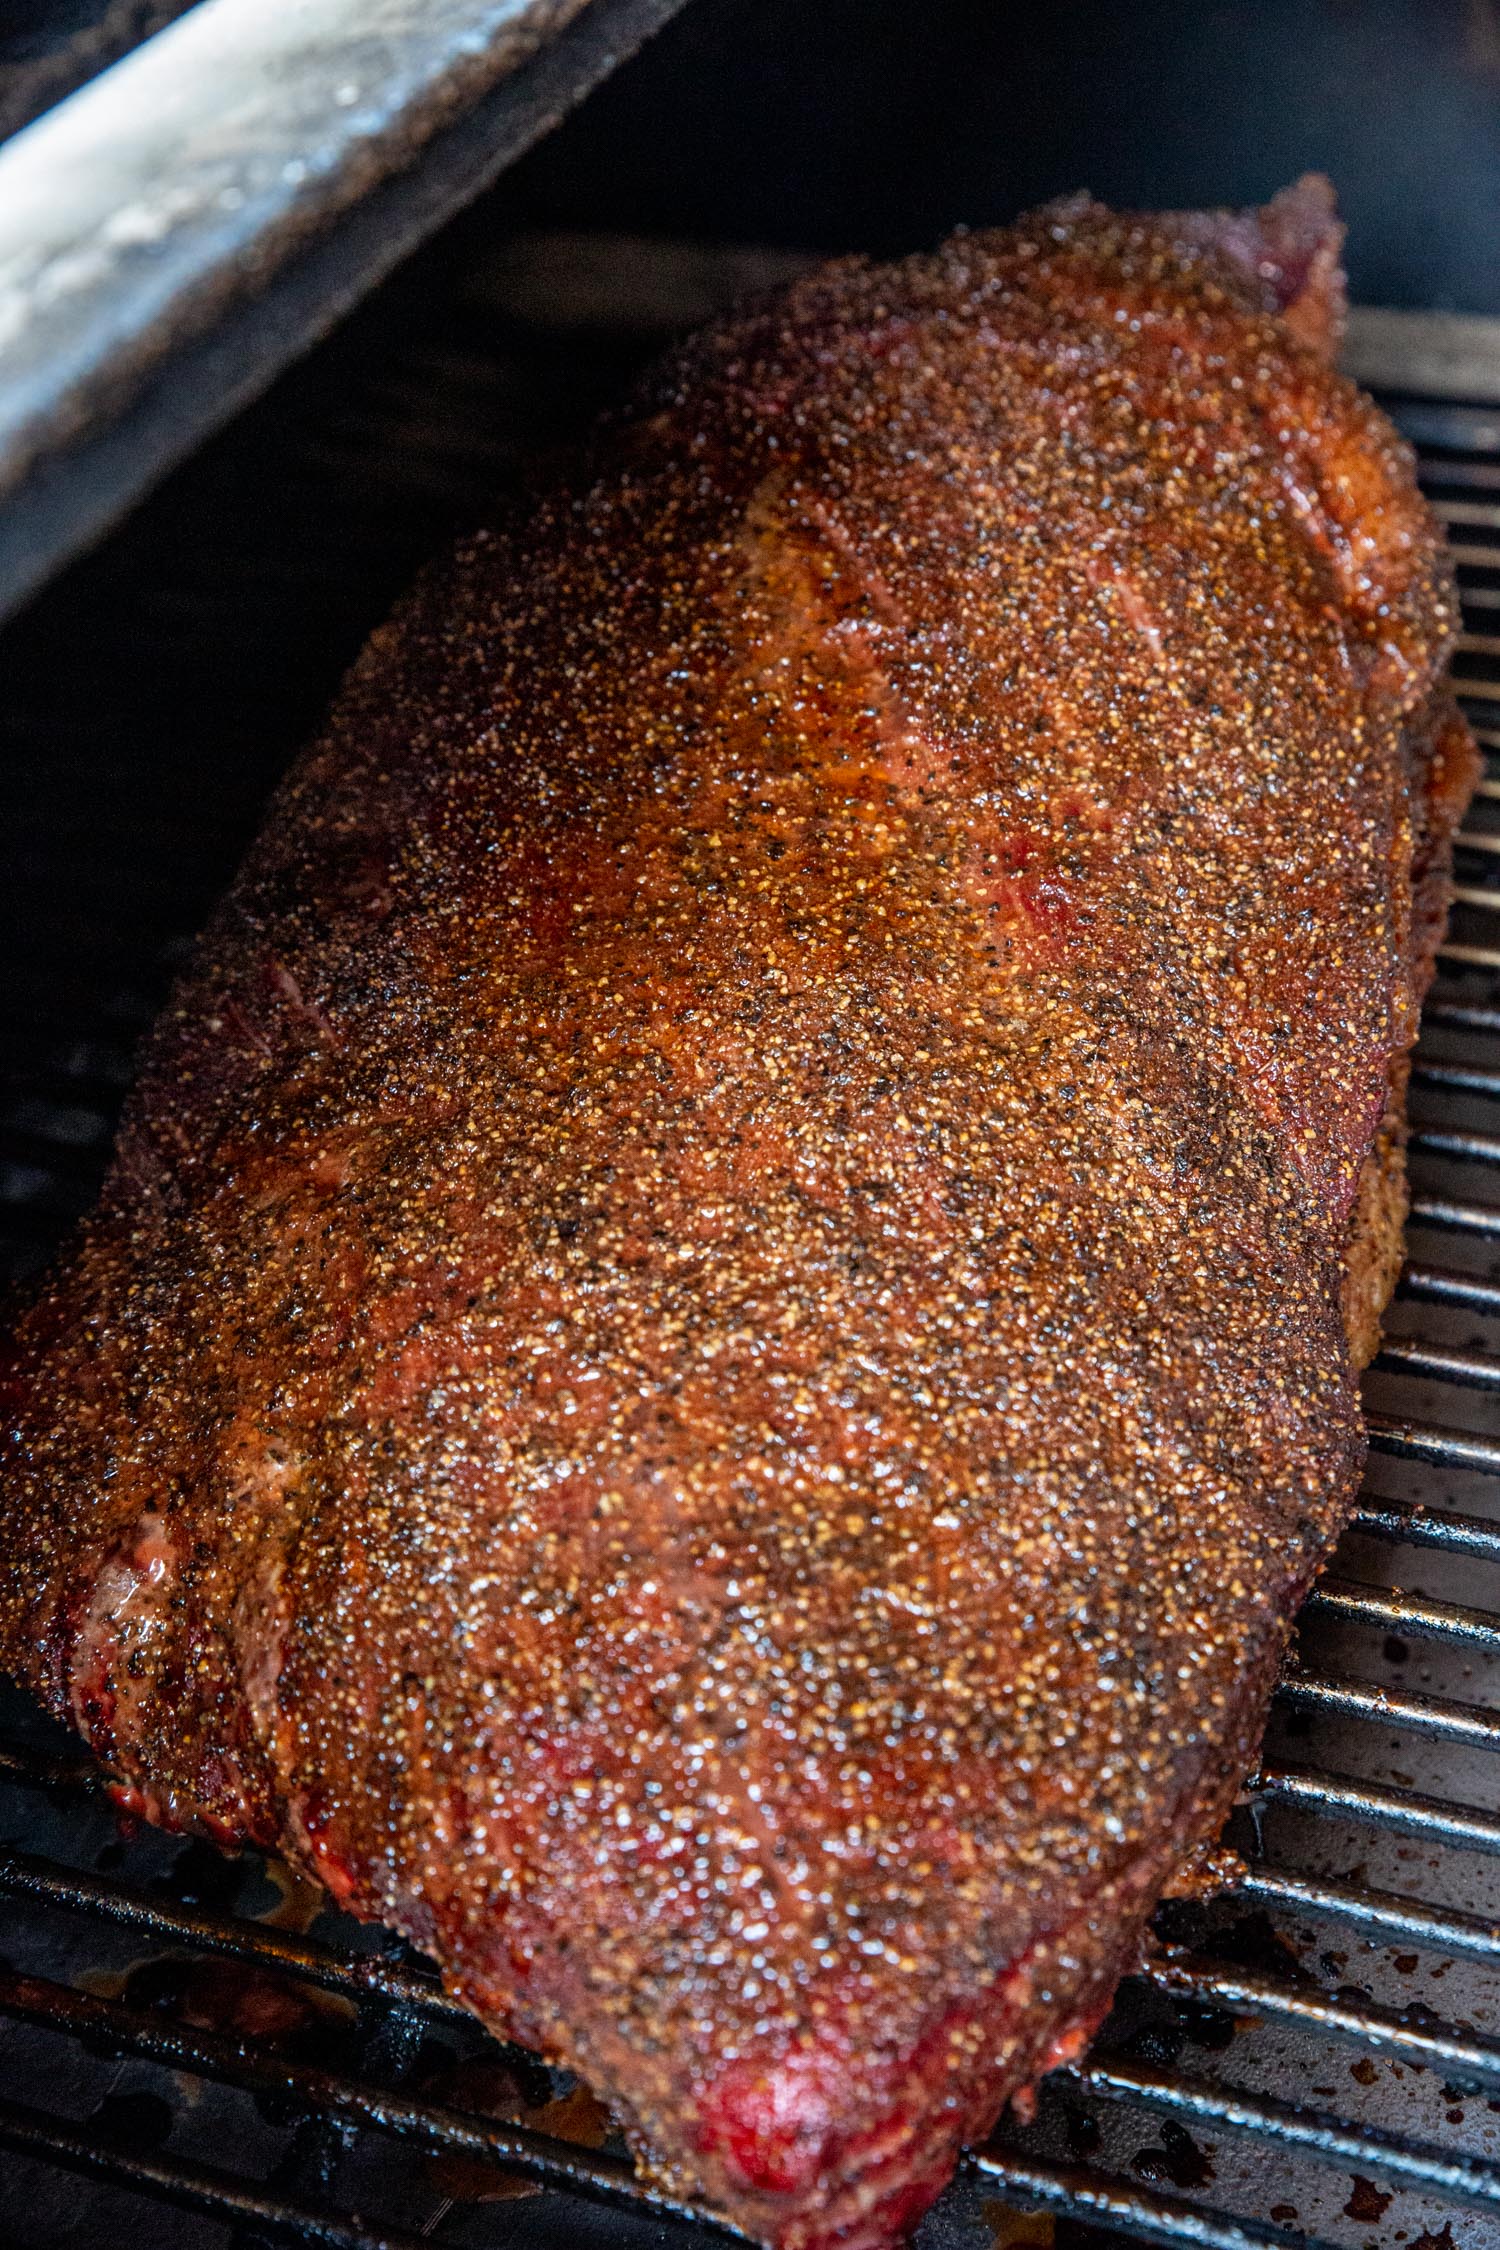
[[1405, 1613], [1427, 1527], [1471, 956], [1453, 1077], [1427, 1715], [1466, 1827], [356, 1976], [435, 2125], [1438, 1285], [1469, 1146], [1453, 1218], [1471, 1371], [1316, 2133], [1122, 2209], [1396, 1918], [1477, 515], [1405, 1440], [192, 2187], [1461, 1015], [1456, 2054]]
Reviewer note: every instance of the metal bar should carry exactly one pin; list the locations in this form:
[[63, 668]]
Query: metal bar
[[1483, 902], [435, 2125], [1406, 1440], [1122, 2209], [1469, 1148], [357, 1976], [1403, 1810], [1437, 1363], [1433, 1717], [1473, 558], [181, 228], [1386, 1913], [1317, 2133], [1453, 1218], [1440, 1285], [1475, 476], [1460, 1016], [1479, 515], [1438, 2046], [43, 1769], [1457, 1077], [192, 2187], [1405, 1613], [1470, 956], [1441, 417], [1436, 355], [1427, 1527]]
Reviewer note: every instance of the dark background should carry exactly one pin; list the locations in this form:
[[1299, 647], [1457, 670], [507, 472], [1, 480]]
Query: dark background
[[882, 122]]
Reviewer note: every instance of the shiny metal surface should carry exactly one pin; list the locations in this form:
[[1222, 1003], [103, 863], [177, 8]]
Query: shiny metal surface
[[185, 224]]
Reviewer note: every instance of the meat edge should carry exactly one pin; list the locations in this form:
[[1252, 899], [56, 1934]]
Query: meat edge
[[891, 2176]]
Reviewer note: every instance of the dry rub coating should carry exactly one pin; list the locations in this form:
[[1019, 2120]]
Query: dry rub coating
[[723, 1335]]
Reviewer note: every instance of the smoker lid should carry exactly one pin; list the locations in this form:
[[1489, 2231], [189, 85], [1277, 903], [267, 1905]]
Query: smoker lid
[[177, 230]]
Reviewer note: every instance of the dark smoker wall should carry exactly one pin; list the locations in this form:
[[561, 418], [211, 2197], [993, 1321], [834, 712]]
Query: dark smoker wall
[[880, 123], [47, 47]]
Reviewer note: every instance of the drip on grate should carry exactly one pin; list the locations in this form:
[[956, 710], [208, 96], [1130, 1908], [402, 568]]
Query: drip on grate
[[1314, 2055]]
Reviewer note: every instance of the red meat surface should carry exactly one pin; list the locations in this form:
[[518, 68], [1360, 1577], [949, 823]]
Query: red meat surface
[[724, 1333]]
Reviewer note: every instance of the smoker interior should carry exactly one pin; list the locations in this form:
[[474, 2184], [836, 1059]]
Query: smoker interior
[[198, 2051]]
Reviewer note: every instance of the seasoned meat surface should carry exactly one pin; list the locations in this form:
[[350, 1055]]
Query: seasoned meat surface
[[723, 1335]]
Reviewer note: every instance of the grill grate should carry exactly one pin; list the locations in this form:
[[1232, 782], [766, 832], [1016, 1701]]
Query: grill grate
[[208, 2036]]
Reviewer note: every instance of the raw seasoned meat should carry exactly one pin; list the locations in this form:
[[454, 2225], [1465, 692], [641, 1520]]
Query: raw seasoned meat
[[723, 1336]]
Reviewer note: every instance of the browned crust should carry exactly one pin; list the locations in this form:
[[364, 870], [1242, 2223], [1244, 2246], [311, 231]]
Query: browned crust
[[721, 1344]]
